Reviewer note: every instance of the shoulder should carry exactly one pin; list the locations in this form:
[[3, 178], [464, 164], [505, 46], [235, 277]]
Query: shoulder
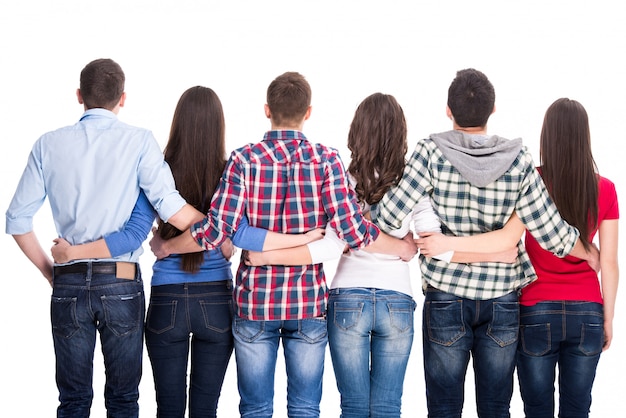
[[325, 155], [606, 188], [138, 131], [605, 183], [524, 162]]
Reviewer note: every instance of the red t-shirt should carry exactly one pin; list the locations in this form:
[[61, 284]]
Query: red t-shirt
[[568, 278]]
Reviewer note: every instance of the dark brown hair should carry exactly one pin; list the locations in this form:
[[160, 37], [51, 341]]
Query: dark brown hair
[[196, 153], [288, 97], [377, 139], [102, 84], [471, 98], [567, 165]]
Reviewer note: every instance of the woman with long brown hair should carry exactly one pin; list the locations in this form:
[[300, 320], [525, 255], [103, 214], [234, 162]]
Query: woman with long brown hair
[[566, 315]]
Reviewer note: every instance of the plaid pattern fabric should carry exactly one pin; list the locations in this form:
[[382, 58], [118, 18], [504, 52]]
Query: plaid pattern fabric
[[465, 209], [284, 184]]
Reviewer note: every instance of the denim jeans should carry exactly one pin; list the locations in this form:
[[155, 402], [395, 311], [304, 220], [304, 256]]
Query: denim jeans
[[570, 334], [256, 347], [186, 316], [453, 328], [370, 333], [81, 304]]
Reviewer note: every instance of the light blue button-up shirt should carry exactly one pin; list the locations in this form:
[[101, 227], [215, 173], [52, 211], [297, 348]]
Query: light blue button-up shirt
[[92, 173]]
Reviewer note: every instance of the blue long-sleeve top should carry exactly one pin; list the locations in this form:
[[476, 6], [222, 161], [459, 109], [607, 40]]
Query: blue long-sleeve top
[[168, 270]]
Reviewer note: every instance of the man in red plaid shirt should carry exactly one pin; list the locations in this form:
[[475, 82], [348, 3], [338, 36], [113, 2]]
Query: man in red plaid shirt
[[284, 184]]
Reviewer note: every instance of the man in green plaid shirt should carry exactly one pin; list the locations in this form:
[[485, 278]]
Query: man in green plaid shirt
[[476, 182]]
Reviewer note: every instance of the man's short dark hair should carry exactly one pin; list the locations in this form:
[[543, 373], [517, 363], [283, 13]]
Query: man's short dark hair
[[288, 97], [102, 84], [471, 98]]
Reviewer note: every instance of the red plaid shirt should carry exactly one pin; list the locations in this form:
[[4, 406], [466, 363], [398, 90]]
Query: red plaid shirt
[[284, 184]]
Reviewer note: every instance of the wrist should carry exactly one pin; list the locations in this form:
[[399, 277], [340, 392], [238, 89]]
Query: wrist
[[70, 254], [166, 248]]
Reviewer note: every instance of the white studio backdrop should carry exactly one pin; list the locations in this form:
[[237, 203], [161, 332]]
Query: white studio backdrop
[[534, 52]]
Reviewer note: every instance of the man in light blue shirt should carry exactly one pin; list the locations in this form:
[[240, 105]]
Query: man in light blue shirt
[[92, 173]]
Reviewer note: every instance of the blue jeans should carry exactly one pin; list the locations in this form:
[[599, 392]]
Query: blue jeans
[[81, 304], [370, 333], [184, 316], [570, 334], [454, 328], [256, 347]]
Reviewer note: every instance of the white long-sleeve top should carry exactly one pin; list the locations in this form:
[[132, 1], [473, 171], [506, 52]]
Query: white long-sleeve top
[[371, 270]]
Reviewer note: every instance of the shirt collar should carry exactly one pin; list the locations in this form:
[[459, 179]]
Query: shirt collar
[[284, 135], [98, 113]]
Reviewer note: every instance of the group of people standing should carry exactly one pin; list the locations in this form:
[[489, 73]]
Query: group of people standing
[[468, 196]]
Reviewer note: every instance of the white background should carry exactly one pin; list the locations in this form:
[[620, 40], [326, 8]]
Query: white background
[[533, 51]]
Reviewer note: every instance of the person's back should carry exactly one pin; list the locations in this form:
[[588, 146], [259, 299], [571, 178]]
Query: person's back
[[289, 200], [566, 315], [95, 164], [92, 173], [476, 181], [284, 184]]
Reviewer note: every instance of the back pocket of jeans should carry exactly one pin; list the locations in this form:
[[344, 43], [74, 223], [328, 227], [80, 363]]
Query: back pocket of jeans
[[124, 313], [401, 315], [217, 315], [535, 339], [161, 316], [504, 327], [63, 314], [592, 339], [444, 321], [347, 314]]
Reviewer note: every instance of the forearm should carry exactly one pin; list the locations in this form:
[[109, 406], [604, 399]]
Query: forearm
[[609, 279], [490, 242], [185, 218], [276, 240], [508, 256], [609, 265], [385, 244], [591, 255], [95, 249], [182, 244], [29, 244], [296, 256]]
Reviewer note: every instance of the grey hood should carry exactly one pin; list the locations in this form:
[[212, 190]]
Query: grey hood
[[479, 162]]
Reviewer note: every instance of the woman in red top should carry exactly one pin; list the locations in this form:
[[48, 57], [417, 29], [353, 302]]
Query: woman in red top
[[567, 314]]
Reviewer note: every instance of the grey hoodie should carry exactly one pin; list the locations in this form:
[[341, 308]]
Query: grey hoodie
[[479, 162]]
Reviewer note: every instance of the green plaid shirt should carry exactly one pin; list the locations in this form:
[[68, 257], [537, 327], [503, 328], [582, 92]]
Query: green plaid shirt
[[465, 209]]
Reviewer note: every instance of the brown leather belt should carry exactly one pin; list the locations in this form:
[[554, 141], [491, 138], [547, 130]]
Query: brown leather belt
[[121, 269]]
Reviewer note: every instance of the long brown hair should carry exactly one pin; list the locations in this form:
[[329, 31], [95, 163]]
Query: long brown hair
[[377, 139], [196, 153], [567, 165]]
